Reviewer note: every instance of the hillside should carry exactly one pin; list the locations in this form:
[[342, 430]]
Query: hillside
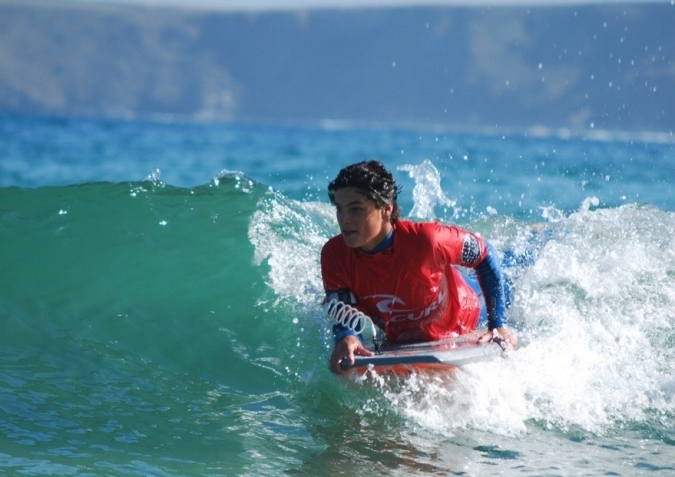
[[602, 66]]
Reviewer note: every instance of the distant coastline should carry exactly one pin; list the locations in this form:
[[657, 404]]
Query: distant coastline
[[556, 70]]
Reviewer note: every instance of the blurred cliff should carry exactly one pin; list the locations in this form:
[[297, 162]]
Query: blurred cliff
[[578, 67]]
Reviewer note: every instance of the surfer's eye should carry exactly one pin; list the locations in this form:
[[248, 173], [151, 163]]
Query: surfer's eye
[[359, 211]]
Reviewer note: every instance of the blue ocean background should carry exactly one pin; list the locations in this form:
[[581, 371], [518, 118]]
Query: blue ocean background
[[160, 302]]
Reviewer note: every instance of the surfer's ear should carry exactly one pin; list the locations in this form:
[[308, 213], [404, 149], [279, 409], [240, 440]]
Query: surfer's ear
[[387, 210]]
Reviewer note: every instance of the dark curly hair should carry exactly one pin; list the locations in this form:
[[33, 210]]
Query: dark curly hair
[[371, 179]]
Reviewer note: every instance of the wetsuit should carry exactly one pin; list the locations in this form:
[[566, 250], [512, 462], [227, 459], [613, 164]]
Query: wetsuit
[[410, 284]]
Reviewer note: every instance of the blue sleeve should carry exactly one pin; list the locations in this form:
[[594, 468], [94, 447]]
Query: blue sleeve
[[491, 282], [340, 332]]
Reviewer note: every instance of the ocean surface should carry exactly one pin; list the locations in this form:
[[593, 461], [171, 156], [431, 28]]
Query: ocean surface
[[160, 303]]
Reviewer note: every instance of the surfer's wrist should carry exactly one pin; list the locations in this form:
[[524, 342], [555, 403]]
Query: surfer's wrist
[[495, 322], [342, 334]]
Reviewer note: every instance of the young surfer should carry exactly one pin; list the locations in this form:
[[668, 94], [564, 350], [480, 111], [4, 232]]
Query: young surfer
[[403, 274]]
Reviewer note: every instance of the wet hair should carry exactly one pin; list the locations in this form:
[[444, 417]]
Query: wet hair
[[372, 180]]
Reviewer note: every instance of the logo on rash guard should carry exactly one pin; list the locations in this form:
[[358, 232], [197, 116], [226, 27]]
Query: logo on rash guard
[[386, 302], [470, 249], [422, 313]]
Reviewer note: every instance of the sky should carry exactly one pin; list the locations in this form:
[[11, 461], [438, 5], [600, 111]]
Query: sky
[[302, 4]]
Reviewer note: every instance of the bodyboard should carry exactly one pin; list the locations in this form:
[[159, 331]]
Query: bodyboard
[[434, 355]]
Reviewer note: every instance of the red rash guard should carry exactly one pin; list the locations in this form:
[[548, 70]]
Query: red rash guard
[[410, 289]]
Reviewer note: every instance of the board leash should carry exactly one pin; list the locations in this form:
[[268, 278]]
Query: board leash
[[351, 318]]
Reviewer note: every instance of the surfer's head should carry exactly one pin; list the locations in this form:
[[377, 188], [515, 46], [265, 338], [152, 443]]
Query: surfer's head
[[372, 180]]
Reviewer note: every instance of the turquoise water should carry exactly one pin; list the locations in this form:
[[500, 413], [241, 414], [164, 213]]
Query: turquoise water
[[160, 290]]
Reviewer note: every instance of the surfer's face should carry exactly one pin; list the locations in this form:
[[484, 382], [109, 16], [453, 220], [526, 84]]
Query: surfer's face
[[361, 222]]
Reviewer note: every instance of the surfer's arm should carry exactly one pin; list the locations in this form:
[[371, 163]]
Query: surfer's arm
[[491, 282], [347, 341], [463, 248]]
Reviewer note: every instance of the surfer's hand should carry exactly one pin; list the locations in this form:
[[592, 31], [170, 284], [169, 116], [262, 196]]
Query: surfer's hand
[[346, 348], [502, 333]]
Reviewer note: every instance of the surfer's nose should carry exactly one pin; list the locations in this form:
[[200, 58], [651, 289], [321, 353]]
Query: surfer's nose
[[343, 218]]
